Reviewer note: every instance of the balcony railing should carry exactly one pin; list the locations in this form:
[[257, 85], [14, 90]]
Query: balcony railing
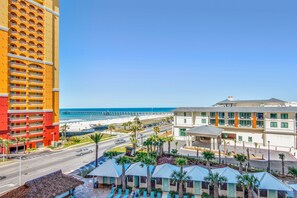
[[18, 103], [36, 125], [35, 117], [18, 87], [35, 139], [35, 132], [35, 96], [17, 118], [18, 126], [18, 134]]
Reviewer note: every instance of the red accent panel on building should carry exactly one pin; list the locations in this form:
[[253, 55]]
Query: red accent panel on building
[[48, 119], [3, 114], [49, 133]]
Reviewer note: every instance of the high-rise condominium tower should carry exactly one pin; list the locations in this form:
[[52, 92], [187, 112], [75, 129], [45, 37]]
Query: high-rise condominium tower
[[29, 72]]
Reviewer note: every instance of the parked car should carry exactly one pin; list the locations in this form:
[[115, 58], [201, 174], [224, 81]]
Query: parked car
[[119, 141], [84, 151]]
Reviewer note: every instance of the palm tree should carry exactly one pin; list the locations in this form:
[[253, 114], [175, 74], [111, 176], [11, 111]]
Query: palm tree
[[176, 143], [241, 158], [208, 155], [292, 171], [129, 123], [137, 122], [64, 129], [7, 144], [96, 137], [147, 144], [180, 177], [17, 140], [169, 139], [248, 157], [156, 130], [225, 146], [134, 129], [181, 162], [235, 141], [111, 154], [134, 141], [248, 182], [111, 128], [147, 161], [282, 157], [125, 124], [123, 161], [215, 180], [161, 141]]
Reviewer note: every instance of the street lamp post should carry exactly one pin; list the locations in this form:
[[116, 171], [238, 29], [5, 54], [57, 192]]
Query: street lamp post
[[20, 172], [268, 167]]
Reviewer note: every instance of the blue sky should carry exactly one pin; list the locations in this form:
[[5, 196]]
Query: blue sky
[[143, 53]]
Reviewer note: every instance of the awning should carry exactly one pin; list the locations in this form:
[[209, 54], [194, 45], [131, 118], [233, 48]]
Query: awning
[[206, 130]]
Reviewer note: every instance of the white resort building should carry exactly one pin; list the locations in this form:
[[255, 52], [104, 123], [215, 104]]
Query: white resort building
[[246, 121]]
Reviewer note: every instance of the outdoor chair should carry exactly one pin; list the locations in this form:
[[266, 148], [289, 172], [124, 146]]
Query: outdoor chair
[[126, 194], [185, 196], [111, 193], [176, 196], [119, 193], [168, 195], [159, 195], [144, 195], [152, 195]]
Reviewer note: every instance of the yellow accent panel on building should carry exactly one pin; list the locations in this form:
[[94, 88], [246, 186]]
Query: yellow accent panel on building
[[48, 88], [48, 35], [3, 62], [56, 106], [4, 13]]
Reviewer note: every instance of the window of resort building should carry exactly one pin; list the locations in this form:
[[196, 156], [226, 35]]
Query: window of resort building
[[239, 188], [230, 115], [284, 125], [223, 186], [130, 178], [203, 121], [231, 122], [245, 115], [185, 114], [159, 181], [142, 180], [240, 138], [221, 122], [212, 121], [182, 132], [281, 194], [204, 185], [284, 116], [203, 114], [212, 114], [245, 123], [185, 121], [190, 184], [263, 193], [260, 124], [273, 115], [250, 139], [221, 115], [273, 124], [260, 116]]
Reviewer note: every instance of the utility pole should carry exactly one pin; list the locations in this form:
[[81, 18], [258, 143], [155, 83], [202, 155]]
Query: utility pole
[[268, 167]]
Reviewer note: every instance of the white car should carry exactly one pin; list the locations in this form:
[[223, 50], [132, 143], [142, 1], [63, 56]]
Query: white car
[[120, 141]]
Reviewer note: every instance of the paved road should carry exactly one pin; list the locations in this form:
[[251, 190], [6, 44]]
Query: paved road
[[65, 160]]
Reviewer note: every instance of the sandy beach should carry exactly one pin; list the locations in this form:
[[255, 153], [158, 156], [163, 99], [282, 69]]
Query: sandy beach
[[80, 125]]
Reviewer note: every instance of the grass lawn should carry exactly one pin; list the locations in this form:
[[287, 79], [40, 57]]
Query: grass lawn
[[121, 149], [84, 139]]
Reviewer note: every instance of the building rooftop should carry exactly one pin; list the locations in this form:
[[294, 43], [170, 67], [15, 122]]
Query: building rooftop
[[108, 169], [48, 186], [238, 109], [266, 101], [205, 130]]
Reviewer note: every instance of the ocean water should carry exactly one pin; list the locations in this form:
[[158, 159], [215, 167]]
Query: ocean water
[[89, 114]]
